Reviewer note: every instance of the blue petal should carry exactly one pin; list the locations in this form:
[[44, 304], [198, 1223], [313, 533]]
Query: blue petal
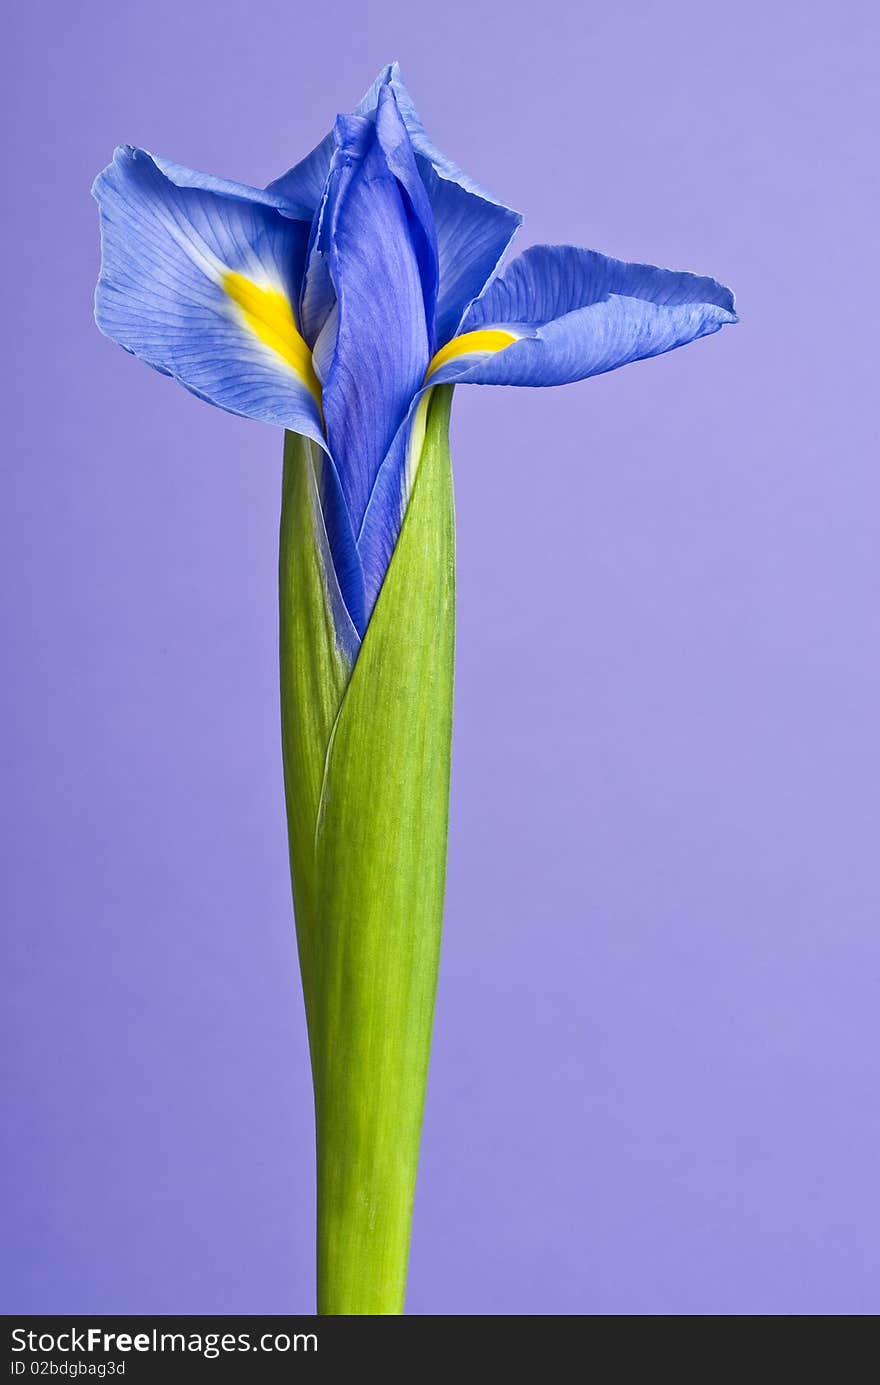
[[346, 558], [170, 240], [472, 236], [381, 350], [389, 498], [304, 183], [423, 145], [345, 585], [576, 313], [394, 139], [318, 294], [191, 178], [472, 228]]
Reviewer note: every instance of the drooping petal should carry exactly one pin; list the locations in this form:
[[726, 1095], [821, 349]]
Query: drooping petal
[[560, 314], [381, 348], [198, 278]]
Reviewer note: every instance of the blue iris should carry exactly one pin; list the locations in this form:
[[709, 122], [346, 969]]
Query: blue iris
[[331, 301]]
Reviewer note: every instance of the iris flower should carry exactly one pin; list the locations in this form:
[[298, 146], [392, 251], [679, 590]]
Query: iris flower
[[341, 303]]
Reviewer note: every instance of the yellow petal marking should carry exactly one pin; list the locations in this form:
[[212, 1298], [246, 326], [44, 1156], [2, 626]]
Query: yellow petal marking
[[486, 339], [269, 315]]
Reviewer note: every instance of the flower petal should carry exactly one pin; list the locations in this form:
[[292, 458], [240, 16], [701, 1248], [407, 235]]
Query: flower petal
[[185, 177], [574, 313], [303, 184], [389, 499], [198, 278], [472, 228], [342, 547], [423, 145], [381, 348], [394, 138], [318, 294], [472, 236]]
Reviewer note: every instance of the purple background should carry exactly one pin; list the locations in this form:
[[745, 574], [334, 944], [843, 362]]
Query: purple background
[[655, 1076]]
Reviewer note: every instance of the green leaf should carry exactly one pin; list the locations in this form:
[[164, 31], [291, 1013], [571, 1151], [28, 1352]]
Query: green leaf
[[366, 757]]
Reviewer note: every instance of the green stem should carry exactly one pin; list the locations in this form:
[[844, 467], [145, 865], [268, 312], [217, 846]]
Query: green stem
[[366, 752]]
